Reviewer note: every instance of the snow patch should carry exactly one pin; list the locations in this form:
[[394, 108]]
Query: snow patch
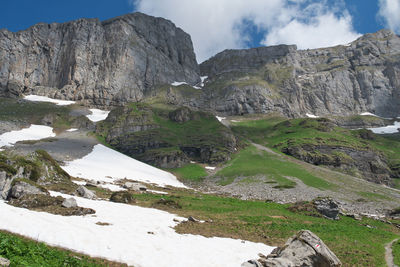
[[136, 236], [220, 118], [157, 192], [72, 130], [178, 83], [387, 129], [311, 116], [368, 114], [210, 168], [34, 132], [107, 165], [38, 98], [97, 114]]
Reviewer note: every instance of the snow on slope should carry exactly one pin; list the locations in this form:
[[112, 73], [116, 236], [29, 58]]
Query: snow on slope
[[97, 114], [311, 116], [127, 239], [34, 132], [108, 165], [39, 98], [387, 129]]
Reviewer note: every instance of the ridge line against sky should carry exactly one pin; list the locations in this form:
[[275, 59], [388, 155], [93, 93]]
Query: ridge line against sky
[[215, 25]]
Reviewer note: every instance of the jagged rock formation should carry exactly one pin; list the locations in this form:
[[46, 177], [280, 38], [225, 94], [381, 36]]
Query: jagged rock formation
[[340, 80], [102, 63]]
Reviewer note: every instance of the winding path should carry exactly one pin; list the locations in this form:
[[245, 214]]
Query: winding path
[[389, 253]]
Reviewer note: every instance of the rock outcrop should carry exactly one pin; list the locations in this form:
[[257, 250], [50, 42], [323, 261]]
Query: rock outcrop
[[327, 207], [342, 80], [167, 138], [102, 63], [303, 249]]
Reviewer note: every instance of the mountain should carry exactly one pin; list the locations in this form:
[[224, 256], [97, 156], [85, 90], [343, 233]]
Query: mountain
[[102, 63], [342, 80]]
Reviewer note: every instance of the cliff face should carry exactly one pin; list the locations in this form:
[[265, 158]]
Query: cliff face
[[103, 63], [341, 80]]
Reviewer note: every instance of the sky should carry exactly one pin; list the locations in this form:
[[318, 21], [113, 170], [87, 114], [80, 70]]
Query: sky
[[215, 25]]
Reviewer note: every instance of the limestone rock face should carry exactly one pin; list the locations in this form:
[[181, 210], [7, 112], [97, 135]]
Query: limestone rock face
[[103, 63], [342, 80]]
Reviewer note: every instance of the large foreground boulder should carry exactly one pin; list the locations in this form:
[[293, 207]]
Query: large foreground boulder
[[303, 249]]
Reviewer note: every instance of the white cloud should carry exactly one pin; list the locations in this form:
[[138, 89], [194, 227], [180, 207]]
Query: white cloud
[[216, 25], [389, 11], [325, 30]]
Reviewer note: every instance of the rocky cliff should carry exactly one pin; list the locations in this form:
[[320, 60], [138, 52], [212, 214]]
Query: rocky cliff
[[342, 80], [102, 63]]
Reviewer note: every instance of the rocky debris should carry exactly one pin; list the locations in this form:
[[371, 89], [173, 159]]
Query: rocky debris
[[21, 188], [4, 262], [135, 186], [69, 203], [102, 63], [169, 203], [327, 207], [85, 193], [122, 197], [251, 263], [49, 204], [193, 219], [303, 249]]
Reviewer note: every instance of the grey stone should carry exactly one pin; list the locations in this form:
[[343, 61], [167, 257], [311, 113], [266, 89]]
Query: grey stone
[[135, 186], [85, 193], [69, 203], [21, 188], [303, 249], [327, 207], [99, 62], [3, 177], [4, 262], [251, 263]]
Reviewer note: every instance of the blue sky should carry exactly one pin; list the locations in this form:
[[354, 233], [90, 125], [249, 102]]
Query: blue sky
[[218, 24]]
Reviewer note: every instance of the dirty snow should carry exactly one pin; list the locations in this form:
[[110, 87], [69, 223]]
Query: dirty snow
[[34, 132], [311, 116], [39, 98], [129, 238], [108, 165], [387, 129], [97, 115]]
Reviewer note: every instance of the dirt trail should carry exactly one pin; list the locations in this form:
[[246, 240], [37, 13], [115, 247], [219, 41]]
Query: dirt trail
[[389, 253]]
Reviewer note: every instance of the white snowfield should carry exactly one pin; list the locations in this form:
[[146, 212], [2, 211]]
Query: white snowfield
[[368, 114], [97, 114], [137, 236], [39, 98], [34, 132], [387, 129], [108, 165]]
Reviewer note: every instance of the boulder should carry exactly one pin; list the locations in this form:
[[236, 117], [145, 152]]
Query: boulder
[[86, 193], [303, 249], [22, 188], [4, 262], [327, 207], [122, 197], [69, 203], [135, 186]]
